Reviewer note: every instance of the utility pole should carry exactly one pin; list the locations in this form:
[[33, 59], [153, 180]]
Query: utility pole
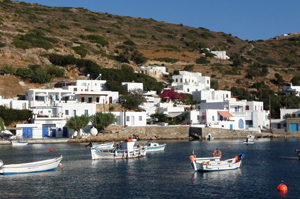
[[124, 113]]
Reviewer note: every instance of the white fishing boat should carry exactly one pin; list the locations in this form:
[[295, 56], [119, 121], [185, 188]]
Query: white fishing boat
[[249, 139], [126, 151], [218, 165], [31, 167], [154, 147], [197, 162], [18, 143], [104, 145]]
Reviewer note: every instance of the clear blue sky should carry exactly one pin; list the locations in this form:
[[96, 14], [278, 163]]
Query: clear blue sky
[[246, 19]]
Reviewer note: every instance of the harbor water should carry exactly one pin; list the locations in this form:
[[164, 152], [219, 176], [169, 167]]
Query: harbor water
[[159, 175]]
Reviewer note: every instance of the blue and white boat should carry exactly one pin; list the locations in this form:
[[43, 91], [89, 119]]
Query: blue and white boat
[[18, 143], [31, 167], [154, 147], [249, 139]]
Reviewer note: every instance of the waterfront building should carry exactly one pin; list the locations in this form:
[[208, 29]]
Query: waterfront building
[[291, 90]]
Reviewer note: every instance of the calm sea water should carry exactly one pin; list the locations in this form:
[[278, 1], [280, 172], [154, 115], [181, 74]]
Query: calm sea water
[[159, 175]]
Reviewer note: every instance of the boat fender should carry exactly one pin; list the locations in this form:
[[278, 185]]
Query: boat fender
[[193, 158], [217, 153]]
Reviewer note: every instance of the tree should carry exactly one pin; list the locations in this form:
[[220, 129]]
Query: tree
[[160, 117], [286, 116], [102, 120], [279, 78], [77, 123], [1, 124], [214, 84], [133, 99]]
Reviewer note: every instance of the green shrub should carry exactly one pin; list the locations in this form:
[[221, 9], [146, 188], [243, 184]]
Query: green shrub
[[202, 60], [138, 36], [129, 42], [80, 50], [2, 45], [55, 71], [8, 69], [64, 27], [20, 30], [165, 59], [24, 73], [97, 39], [91, 29], [12, 115]]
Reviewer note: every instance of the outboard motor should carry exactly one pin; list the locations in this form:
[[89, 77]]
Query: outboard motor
[[89, 145]]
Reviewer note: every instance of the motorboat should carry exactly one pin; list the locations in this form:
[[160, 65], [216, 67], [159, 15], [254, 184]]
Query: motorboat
[[18, 143], [197, 162], [154, 147], [31, 167], [249, 139], [126, 151]]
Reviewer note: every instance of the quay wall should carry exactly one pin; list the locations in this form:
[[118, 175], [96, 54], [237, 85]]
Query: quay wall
[[141, 133], [218, 133]]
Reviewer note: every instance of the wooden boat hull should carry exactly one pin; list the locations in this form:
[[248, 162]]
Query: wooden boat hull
[[32, 167]]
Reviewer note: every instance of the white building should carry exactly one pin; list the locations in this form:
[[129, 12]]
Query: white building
[[158, 68], [133, 86], [292, 90], [188, 82], [132, 118], [212, 95], [220, 54]]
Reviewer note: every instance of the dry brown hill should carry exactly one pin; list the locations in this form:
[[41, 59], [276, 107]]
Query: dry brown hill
[[172, 45]]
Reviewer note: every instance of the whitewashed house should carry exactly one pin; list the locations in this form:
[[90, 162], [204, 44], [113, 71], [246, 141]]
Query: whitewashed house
[[188, 82], [133, 86], [220, 54], [130, 118], [211, 95], [292, 90], [13, 103]]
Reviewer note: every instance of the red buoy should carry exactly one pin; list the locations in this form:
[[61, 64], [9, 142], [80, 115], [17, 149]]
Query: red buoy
[[51, 150], [282, 188]]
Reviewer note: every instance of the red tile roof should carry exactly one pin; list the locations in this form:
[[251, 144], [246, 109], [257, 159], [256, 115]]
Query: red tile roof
[[225, 114]]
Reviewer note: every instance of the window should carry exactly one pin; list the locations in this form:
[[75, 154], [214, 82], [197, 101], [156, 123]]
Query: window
[[207, 81], [226, 95], [97, 99], [86, 112], [74, 112], [188, 90], [255, 107], [198, 117], [83, 84], [82, 99], [67, 112], [213, 118], [127, 118], [180, 80], [247, 108], [236, 109], [140, 118], [176, 80]]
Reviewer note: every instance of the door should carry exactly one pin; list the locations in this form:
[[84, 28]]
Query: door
[[110, 100], [231, 126], [293, 127], [65, 132], [27, 132], [47, 129], [132, 120], [241, 124]]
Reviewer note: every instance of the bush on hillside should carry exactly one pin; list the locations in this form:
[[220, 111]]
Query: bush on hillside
[[12, 115], [8, 69]]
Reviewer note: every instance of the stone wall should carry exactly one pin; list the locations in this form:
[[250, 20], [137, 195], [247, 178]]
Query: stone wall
[[141, 133], [221, 133]]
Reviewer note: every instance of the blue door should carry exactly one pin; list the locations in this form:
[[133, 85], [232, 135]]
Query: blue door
[[27, 132], [241, 124], [231, 126], [47, 129], [65, 132], [294, 127]]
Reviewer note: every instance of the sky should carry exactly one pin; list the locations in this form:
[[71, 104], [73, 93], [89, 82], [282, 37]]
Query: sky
[[245, 19]]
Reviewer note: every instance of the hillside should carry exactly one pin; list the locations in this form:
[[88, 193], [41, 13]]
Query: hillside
[[29, 31]]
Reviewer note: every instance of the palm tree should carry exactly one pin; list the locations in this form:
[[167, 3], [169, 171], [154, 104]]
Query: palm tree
[[78, 123]]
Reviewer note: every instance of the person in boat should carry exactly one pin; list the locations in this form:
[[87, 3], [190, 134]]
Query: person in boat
[[298, 153]]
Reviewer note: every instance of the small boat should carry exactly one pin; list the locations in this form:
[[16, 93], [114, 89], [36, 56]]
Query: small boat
[[209, 137], [104, 145], [126, 151], [18, 143], [249, 139], [218, 165], [197, 162], [154, 147], [31, 167]]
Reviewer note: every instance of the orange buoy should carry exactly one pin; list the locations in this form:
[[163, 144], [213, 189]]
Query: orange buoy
[[51, 150], [58, 153], [282, 187]]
